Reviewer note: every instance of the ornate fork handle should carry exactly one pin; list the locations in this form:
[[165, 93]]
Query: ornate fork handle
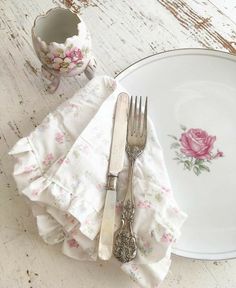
[[125, 247]]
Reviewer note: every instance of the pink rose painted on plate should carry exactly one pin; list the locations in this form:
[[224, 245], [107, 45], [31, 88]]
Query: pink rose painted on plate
[[195, 149], [197, 143]]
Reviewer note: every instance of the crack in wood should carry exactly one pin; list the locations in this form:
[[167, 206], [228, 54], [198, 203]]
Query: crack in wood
[[4, 139], [13, 126], [31, 67]]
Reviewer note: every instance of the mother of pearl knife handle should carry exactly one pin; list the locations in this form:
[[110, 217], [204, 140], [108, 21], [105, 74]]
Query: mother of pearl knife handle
[[107, 229]]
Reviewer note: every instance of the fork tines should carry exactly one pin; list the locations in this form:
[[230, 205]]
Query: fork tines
[[137, 122]]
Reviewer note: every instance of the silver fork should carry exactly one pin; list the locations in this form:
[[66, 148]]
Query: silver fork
[[125, 247]]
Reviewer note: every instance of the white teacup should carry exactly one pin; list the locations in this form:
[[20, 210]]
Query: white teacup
[[63, 45]]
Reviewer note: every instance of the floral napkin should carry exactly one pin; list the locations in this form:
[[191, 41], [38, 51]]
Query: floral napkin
[[61, 170]]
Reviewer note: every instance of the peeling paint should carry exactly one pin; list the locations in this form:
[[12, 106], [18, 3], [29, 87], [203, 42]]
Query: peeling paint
[[31, 67], [193, 22], [13, 126]]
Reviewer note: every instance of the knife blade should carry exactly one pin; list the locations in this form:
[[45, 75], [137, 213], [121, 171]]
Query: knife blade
[[116, 161]]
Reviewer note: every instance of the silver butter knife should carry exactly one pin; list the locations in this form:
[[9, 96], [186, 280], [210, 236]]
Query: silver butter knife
[[117, 154]]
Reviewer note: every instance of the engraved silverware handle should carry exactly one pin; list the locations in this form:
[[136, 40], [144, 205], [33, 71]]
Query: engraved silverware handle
[[125, 247]]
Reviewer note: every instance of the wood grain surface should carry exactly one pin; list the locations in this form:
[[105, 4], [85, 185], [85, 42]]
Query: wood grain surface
[[123, 31]]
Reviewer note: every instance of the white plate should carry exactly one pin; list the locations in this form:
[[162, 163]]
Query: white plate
[[196, 89]]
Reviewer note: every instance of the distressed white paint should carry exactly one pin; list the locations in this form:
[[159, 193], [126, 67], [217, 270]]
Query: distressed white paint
[[123, 31]]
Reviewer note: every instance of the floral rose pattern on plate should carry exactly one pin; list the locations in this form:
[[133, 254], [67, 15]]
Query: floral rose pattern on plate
[[195, 149]]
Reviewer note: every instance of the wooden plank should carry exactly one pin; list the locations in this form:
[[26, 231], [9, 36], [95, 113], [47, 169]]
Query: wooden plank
[[226, 7], [203, 25]]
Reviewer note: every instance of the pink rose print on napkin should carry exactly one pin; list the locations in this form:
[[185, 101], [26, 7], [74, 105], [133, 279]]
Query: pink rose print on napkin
[[28, 169], [119, 207], [35, 192], [63, 160], [59, 137], [167, 238], [195, 149], [48, 159], [144, 204], [144, 246], [73, 243]]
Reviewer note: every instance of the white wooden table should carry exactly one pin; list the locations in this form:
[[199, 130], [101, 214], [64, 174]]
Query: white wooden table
[[123, 31]]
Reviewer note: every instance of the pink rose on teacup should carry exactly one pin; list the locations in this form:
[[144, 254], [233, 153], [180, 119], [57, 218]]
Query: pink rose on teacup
[[74, 54], [197, 143]]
